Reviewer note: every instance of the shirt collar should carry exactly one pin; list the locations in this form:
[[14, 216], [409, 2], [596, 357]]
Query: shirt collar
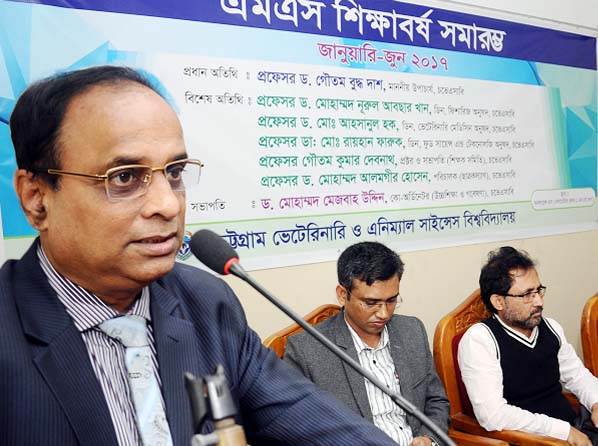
[[85, 308]]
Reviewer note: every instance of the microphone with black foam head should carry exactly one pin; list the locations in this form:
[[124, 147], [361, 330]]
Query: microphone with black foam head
[[214, 252]]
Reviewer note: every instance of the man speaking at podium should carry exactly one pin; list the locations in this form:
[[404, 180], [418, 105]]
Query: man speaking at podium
[[97, 323]]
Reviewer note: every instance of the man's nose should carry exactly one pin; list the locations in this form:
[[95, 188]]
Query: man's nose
[[161, 199], [383, 312], [538, 300]]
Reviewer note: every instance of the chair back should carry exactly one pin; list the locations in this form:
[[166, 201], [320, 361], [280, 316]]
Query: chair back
[[278, 341], [589, 334], [448, 333]]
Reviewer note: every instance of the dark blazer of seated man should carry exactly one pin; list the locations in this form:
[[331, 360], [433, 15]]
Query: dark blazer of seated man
[[515, 363], [395, 348], [102, 173]]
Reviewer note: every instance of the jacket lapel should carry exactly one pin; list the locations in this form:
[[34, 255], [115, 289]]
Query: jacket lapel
[[398, 354], [178, 351], [60, 355], [356, 381]]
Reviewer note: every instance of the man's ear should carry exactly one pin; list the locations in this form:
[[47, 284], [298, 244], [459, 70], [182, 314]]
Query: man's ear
[[497, 302], [341, 295], [31, 191]]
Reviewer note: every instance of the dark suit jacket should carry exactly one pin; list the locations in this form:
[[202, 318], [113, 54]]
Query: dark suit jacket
[[49, 395], [410, 353]]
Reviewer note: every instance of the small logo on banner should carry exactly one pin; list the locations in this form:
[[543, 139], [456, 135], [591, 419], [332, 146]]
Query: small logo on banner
[[185, 250]]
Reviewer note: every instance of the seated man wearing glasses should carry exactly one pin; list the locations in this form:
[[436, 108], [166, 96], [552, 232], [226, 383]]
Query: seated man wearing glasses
[[393, 347], [513, 363], [97, 323]]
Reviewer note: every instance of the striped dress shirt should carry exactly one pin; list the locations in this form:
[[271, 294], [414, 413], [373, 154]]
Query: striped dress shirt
[[106, 354], [388, 417]]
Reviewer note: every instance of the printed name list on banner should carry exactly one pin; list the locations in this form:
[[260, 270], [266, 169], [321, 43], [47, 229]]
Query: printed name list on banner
[[312, 142]]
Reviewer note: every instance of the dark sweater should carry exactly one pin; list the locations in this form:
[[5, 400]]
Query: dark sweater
[[531, 372]]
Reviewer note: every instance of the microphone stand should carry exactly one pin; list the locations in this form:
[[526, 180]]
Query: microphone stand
[[211, 396], [237, 270]]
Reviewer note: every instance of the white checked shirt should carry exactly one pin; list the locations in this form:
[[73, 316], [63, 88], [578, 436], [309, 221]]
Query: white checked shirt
[[388, 417]]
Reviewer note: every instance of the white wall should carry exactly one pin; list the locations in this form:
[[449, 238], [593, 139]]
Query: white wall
[[438, 280]]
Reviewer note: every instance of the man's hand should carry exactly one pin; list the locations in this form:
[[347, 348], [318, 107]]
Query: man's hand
[[578, 438], [424, 441], [595, 414]]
